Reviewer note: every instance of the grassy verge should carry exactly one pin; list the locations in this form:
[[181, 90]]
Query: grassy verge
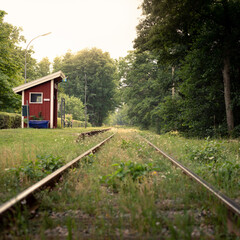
[[21, 148], [215, 160], [125, 191]]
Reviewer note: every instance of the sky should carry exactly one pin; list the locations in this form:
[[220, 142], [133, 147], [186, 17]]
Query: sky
[[109, 25]]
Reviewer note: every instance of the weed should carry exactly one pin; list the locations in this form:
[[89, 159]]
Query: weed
[[125, 144], [224, 171], [136, 171], [88, 160], [39, 168], [210, 151], [70, 225]]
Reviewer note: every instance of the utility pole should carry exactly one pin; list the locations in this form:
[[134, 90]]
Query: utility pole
[[85, 101]]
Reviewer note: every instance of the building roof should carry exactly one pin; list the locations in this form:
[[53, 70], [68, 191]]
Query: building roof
[[57, 75]]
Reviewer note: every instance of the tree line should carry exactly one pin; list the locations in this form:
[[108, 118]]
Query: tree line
[[91, 76], [183, 74]]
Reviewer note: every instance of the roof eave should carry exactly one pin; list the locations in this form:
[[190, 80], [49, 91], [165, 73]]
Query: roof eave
[[39, 81]]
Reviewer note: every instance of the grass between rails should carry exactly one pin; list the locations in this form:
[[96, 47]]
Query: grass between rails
[[161, 204], [20, 147], [215, 160]]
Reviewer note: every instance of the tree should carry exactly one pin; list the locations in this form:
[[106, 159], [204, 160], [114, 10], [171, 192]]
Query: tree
[[177, 29], [32, 67], [119, 117], [57, 64], [99, 71], [145, 84], [10, 64], [73, 106], [43, 67]]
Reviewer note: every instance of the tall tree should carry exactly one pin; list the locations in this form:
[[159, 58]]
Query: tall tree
[[10, 64], [32, 68], [57, 63], [44, 67], [98, 71], [145, 84], [175, 29]]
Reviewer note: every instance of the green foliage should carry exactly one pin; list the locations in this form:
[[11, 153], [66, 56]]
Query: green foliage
[[225, 171], [209, 151], [125, 144], [38, 169], [75, 123], [166, 117], [144, 85], [81, 124], [196, 38], [99, 71], [73, 106], [43, 67], [119, 117], [40, 117], [136, 171], [10, 120], [10, 64], [88, 160]]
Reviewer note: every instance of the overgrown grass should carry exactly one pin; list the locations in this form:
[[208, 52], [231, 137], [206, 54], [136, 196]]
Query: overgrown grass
[[162, 204], [19, 149], [215, 160]]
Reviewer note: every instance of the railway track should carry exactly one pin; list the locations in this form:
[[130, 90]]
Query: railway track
[[232, 206], [162, 208], [91, 133], [26, 198]]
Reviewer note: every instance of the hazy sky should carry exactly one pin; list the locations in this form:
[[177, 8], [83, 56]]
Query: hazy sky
[[75, 24]]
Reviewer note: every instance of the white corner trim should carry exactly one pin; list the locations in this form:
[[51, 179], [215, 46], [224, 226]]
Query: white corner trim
[[22, 105], [52, 103]]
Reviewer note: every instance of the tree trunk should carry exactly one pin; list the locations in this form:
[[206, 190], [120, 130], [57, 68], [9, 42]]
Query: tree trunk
[[227, 94]]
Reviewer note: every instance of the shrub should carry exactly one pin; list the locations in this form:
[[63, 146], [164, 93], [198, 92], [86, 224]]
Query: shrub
[[75, 123], [81, 124], [10, 120]]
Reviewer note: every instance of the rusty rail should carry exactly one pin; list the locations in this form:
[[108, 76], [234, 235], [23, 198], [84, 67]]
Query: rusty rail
[[26, 197], [232, 206], [91, 133]]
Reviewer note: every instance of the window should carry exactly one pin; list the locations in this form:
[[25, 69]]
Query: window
[[36, 97]]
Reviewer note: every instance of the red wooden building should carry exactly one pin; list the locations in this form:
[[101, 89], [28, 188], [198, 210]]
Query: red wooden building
[[41, 96]]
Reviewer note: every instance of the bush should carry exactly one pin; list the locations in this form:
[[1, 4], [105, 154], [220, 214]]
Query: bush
[[166, 116], [75, 123], [10, 120], [80, 124]]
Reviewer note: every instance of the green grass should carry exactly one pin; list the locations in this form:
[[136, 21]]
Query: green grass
[[215, 160], [162, 204], [23, 145]]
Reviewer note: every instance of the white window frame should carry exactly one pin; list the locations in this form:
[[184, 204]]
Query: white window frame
[[35, 93]]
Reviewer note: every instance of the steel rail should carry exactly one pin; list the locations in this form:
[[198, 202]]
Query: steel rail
[[228, 202], [94, 132], [8, 207]]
